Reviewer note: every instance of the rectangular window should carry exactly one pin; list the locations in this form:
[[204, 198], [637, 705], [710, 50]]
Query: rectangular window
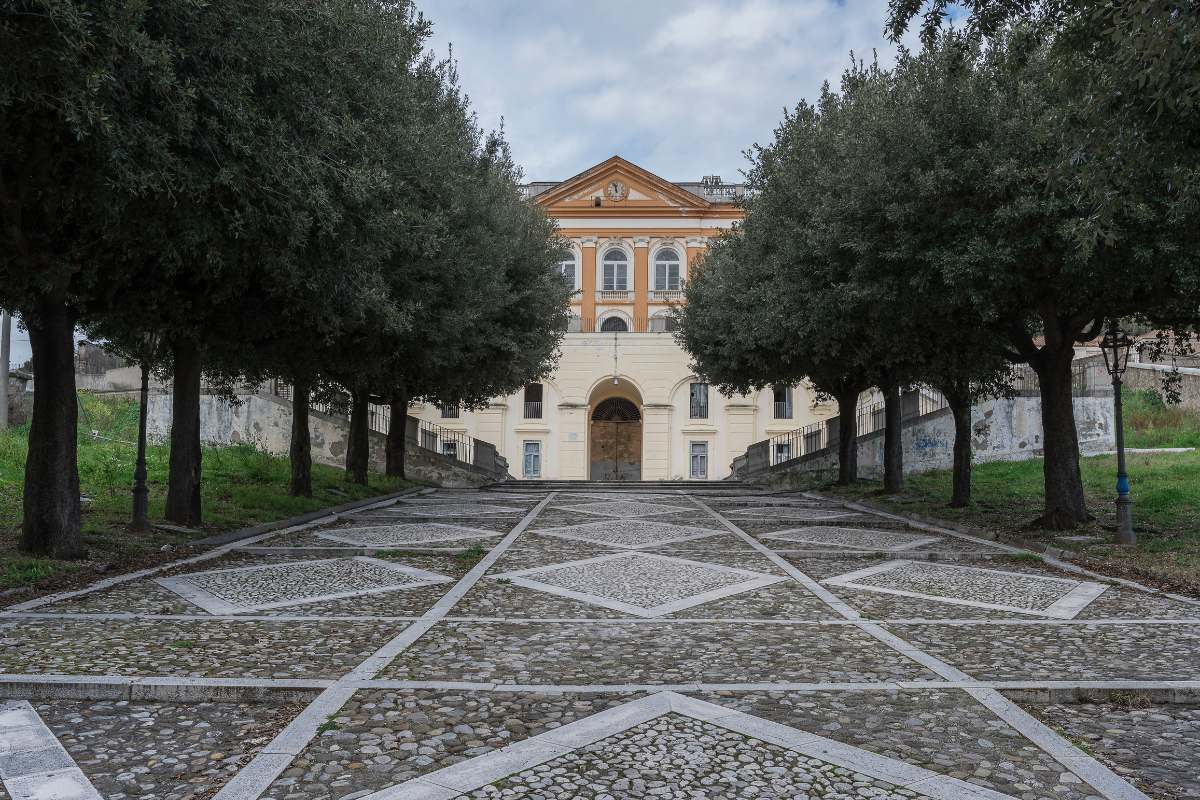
[[533, 401], [532, 462], [698, 459], [666, 277], [568, 273], [783, 452], [450, 449], [615, 278], [698, 401], [783, 402]]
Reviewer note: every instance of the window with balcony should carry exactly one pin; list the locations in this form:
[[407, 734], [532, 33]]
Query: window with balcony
[[698, 401], [531, 464], [615, 277], [666, 270], [533, 401], [783, 402], [698, 460], [449, 411]]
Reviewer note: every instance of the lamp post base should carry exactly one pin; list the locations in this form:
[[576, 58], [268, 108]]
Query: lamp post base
[[1125, 531]]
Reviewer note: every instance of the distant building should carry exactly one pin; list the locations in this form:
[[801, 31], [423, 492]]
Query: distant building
[[623, 403]]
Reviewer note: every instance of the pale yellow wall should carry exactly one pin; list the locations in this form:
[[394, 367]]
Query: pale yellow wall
[[653, 371]]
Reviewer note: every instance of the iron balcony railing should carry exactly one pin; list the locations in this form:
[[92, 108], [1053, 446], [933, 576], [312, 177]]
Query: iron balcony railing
[[698, 409], [783, 410], [449, 412], [448, 442], [533, 409]]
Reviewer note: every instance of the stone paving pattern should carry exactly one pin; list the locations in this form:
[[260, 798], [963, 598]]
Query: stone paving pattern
[[568, 659], [1156, 747]]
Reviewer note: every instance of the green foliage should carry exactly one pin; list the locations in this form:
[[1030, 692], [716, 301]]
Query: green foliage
[[1150, 422]]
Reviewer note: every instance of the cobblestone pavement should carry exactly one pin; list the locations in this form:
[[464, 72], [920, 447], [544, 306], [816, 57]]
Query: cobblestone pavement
[[723, 643]]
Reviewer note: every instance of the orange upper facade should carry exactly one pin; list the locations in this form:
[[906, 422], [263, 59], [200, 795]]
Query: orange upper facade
[[626, 226]]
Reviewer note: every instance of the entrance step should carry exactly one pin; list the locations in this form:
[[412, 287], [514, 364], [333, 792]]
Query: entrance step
[[703, 487]]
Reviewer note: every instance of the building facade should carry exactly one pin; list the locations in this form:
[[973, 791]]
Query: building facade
[[623, 403]]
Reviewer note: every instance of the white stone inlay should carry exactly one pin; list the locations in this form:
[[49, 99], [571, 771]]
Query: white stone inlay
[[624, 508], [404, 534], [854, 538], [33, 763], [692, 724], [810, 514], [642, 584], [240, 590], [632, 534], [1020, 592]]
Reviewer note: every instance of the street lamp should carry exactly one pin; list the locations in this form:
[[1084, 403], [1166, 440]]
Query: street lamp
[[1115, 346]]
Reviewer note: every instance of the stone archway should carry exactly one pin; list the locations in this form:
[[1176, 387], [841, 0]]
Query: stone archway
[[615, 440]]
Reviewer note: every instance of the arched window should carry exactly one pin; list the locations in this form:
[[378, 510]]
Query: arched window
[[666, 270], [616, 409], [616, 271], [567, 269], [614, 325]]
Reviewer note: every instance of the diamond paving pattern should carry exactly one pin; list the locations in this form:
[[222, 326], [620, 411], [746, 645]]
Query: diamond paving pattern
[[245, 589], [811, 514], [625, 508], [641, 584], [632, 534], [405, 534], [446, 510], [854, 538], [1021, 592]]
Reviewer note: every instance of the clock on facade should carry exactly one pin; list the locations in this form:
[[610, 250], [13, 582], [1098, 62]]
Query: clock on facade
[[616, 191]]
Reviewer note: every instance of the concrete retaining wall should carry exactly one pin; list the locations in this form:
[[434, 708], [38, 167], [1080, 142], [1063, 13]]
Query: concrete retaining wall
[[1150, 376], [265, 422], [1008, 429]]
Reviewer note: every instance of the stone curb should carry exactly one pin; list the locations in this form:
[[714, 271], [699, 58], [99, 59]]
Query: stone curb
[[1078, 695], [267, 527], [164, 690]]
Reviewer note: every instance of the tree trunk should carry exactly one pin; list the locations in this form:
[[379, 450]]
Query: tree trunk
[[183, 483], [960, 409], [300, 450], [893, 441], [397, 433], [1065, 506], [847, 401], [358, 449], [51, 524]]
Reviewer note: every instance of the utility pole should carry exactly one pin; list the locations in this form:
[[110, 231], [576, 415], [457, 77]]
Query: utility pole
[[5, 349]]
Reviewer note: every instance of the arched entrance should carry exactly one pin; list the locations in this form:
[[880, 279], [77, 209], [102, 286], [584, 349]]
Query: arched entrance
[[616, 440]]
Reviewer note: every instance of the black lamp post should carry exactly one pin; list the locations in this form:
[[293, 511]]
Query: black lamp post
[[1115, 346]]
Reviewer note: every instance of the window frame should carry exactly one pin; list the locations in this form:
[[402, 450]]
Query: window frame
[[667, 264], [623, 262], [697, 449], [698, 410], [536, 453]]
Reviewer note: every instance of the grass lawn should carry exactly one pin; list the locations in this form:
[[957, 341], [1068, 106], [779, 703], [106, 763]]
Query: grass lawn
[[1007, 497], [241, 486]]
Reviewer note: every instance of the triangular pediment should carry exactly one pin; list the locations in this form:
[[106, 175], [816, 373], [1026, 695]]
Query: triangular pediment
[[621, 186]]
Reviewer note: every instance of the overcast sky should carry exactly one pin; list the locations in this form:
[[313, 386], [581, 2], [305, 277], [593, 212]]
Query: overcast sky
[[680, 87]]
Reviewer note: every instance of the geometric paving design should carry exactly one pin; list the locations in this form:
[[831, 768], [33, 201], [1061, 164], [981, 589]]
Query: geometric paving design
[[789, 513], [631, 534], [33, 764], [241, 590], [855, 538], [696, 749], [1038, 595], [624, 508], [642, 584], [405, 533], [446, 510]]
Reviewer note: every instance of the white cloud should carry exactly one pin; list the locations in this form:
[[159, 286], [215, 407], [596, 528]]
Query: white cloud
[[682, 88]]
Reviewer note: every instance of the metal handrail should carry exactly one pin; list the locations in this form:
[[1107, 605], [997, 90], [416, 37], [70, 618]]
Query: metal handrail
[[783, 410], [533, 409]]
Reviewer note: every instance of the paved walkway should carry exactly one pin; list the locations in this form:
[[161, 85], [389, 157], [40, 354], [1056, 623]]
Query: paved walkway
[[575, 644]]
